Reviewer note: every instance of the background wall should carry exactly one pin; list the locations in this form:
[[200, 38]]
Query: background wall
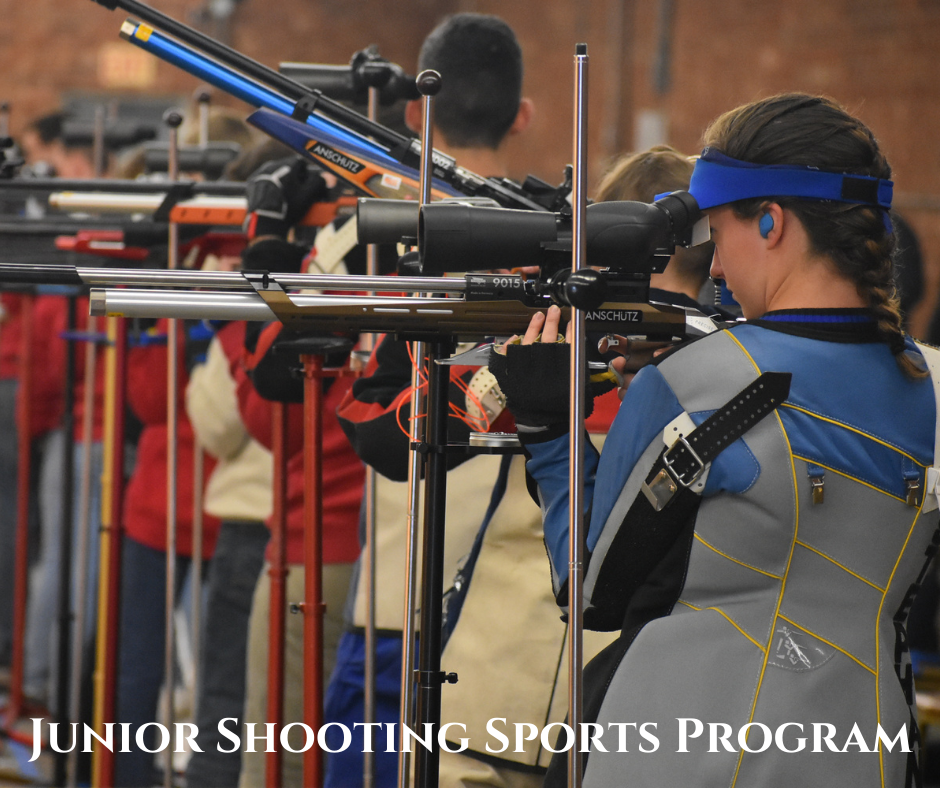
[[660, 70]]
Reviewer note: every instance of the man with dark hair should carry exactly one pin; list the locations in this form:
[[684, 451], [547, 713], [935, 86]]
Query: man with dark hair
[[480, 103], [479, 106], [481, 99]]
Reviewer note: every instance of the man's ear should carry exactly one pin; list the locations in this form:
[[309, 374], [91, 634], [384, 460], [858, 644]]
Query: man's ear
[[413, 115], [523, 116]]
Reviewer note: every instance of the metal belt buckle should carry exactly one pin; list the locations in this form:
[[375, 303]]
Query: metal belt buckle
[[659, 492], [673, 472]]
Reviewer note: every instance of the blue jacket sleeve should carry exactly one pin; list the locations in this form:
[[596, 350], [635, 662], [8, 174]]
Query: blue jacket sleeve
[[647, 408]]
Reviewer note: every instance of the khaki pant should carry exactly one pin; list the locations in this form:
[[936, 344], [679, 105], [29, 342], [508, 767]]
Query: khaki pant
[[462, 771], [335, 586]]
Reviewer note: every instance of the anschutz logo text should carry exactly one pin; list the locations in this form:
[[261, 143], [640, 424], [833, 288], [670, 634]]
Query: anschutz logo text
[[615, 315], [337, 158]]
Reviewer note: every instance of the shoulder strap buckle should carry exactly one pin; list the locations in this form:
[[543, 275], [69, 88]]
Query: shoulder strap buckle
[[686, 478]]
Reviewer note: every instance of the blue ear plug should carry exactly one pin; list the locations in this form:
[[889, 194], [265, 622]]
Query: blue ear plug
[[765, 225]]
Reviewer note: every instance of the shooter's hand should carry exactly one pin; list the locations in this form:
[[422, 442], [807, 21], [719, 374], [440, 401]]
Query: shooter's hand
[[543, 327], [279, 195], [533, 374], [634, 354]]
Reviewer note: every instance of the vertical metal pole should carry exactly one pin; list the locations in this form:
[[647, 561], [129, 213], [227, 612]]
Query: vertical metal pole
[[173, 120], [276, 608], [576, 424], [415, 462], [4, 119], [65, 545], [99, 151], [84, 523], [99, 157], [429, 84], [109, 582], [199, 459], [24, 461], [313, 563], [430, 678], [203, 98], [199, 473], [367, 343]]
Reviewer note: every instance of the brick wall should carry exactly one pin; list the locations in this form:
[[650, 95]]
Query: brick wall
[[876, 56]]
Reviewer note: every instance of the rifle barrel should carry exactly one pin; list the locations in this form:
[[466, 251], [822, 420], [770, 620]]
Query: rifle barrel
[[118, 185], [221, 280], [116, 202], [247, 89], [257, 71]]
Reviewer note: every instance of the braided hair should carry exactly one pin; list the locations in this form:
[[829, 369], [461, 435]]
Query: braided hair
[[796, 128]]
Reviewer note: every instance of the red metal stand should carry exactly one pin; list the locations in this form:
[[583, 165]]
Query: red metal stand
[[277, 609], [313, 608], [17, 701]]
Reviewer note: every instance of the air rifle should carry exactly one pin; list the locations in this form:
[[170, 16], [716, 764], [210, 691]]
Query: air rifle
[[213, 203], [42, 241], [375, 159], [631, 240], [472, 307]]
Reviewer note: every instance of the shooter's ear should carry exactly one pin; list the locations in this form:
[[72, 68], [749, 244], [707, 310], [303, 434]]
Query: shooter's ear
[[523, 116]]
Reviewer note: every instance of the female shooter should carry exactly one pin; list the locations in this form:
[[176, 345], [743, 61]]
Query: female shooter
[[760, 573]]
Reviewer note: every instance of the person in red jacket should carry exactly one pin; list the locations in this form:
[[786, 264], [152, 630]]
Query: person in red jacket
[[40, 414], [46, 415], [143, 559], [278, 195]]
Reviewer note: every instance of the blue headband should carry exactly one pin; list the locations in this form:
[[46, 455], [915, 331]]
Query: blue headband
[[719, 179]]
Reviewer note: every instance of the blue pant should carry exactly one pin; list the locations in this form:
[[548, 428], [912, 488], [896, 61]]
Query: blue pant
[[345, 704], [141, 654]]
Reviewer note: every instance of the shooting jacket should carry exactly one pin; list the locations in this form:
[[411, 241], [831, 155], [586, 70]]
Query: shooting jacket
[[240, 487], [145, 499], [768, 608]]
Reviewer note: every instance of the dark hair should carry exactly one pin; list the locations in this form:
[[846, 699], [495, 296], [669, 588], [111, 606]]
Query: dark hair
[[480, 62], [49, 127], [641, 176], [796, 128]]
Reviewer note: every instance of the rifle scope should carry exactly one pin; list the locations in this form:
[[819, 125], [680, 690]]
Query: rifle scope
[[633, 237]]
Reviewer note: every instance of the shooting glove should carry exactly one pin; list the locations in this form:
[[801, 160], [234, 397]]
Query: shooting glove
[[534, 379], [279, 194]]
